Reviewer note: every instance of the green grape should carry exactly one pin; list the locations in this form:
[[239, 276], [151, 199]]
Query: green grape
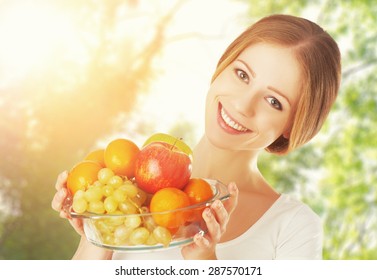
[[151, 240], [107, 190], [120, 242], [127, 207], [132, 221], [119, 195], [149, 223], [115, 181], [148, 220], [96, 207], [108, 239], [162, 235], [93, 194], [110, 204], [97, 184], [122, 232], [79, 205], [140, 198], [104, 227], [130, 189], [139, 236], [128, 181], [115, 221], [80, 194], [104, 175]]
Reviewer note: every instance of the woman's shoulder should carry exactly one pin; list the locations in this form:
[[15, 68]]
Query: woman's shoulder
[[292, 206], [301, 231], [295, 214]]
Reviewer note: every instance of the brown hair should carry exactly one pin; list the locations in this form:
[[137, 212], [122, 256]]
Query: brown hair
[[319, 58]]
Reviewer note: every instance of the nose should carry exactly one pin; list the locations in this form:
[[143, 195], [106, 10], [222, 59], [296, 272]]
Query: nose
[[245, 102]]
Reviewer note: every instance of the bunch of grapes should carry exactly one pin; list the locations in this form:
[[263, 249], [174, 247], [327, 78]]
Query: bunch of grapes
[[116, 196]]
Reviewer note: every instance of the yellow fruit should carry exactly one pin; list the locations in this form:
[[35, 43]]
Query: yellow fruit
[[97, 155], [169, 199], [169, 139], [120, 156], [82, 175]]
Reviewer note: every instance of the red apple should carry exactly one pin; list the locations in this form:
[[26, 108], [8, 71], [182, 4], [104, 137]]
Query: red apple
[[161, 165]]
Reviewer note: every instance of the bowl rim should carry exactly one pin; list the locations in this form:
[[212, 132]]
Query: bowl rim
[[220, 193]]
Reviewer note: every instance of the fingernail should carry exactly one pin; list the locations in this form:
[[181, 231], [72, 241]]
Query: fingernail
[[62, 193], [63, 174], [217, 204]]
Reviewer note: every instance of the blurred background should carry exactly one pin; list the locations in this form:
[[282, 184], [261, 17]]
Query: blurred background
[[75, 74]]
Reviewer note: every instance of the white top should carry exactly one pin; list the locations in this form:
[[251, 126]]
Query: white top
[[289, 229]]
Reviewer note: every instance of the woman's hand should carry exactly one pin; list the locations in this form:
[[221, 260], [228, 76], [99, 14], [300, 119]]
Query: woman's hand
[[85, 250], [216, 218], [59, 200]]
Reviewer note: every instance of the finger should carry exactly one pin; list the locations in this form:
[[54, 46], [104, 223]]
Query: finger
[[221, 214], [231, 203], [201, 241], [58, 200], [64, 215], [212, 225], [61, 180]]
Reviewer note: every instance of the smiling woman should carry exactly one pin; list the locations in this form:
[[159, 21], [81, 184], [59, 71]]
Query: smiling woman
[[244, 100], [260, 93]]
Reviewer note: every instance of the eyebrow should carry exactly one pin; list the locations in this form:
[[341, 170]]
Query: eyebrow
[[248, 67], [280, 93], [269, 87]]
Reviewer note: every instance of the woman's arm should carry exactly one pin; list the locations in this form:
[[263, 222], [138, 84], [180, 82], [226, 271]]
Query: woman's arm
[[88, 251]]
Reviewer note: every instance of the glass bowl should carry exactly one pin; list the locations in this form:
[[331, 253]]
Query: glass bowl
[[140, 232]]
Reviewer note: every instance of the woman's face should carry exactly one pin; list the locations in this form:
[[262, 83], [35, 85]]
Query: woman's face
[[252, 102]]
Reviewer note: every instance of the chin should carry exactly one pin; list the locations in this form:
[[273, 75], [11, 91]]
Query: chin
[[216, 142], [218, 139]]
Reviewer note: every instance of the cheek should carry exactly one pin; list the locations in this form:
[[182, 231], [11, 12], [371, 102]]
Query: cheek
[[271, 125]]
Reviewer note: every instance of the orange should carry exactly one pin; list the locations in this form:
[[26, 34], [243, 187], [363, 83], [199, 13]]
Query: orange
[[198, 190], [169, 199], [120, 156], [82, 175], [97, 156]]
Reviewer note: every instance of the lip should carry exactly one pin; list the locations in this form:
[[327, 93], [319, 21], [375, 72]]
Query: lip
[[227, 128]]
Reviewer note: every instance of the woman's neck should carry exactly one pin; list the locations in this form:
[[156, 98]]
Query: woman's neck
[[226, 165]]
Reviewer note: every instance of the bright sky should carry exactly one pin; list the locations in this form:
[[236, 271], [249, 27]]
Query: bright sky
[[187, 64]]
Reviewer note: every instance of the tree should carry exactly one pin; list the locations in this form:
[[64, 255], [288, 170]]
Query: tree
[[336, 173], [54, 114]]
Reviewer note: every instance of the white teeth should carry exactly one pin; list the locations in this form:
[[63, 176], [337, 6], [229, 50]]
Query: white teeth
[[232, 123]]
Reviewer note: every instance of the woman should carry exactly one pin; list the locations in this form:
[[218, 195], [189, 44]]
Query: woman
[[272, 90]]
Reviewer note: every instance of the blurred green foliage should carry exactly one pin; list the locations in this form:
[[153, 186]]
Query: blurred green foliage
[[336, 173]]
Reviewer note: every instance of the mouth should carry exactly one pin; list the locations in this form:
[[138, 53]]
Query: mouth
[[228, 123]]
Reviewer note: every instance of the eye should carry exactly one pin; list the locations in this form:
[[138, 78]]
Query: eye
[[242, 75], [274, 103]]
